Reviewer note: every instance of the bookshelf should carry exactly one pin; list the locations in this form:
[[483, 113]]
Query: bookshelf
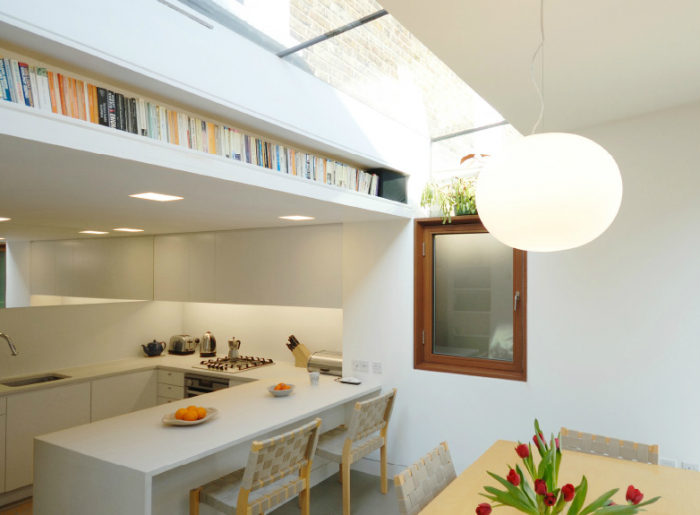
[[45, 128]]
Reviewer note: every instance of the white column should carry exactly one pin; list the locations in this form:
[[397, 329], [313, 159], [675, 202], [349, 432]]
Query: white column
[[18, 274]]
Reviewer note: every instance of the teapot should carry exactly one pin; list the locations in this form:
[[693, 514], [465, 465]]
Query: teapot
[[154, 348]]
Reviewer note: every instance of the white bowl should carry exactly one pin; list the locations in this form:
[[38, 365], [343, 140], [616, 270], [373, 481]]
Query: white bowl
[[170, 419], [280, 393]]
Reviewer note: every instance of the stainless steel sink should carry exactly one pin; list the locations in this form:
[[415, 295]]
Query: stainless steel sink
[[24, 381]]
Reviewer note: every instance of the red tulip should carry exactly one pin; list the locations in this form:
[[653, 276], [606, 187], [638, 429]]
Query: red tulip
[[634, 496], [568, 491], [523, 451], [612, 503], [483, 509], [513, 477], [550, 499], [540, 487], [556, 440]]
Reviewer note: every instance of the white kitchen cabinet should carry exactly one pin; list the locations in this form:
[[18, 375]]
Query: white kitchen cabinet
[[117, 395], [2, 452], [317, 266], [36, 413], [169, 391], [171, 377], [202, 266], [237, 267], [171, 267]]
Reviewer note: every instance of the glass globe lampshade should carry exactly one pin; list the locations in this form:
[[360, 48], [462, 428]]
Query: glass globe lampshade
[[549, 192]]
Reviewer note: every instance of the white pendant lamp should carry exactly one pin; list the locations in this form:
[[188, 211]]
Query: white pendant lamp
[[549, 192]]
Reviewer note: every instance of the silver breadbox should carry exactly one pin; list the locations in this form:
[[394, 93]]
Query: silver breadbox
[[326, 362]]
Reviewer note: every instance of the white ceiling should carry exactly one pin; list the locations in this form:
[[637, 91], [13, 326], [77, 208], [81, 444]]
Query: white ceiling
[[52, 192], [603, 59]]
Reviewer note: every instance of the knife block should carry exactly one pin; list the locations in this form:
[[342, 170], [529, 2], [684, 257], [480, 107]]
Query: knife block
[[301, 355]]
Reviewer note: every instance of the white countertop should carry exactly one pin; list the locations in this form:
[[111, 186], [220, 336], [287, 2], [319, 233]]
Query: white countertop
[[110, 368], [140, 441]]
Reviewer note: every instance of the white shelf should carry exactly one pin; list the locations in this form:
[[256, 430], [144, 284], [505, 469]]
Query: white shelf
[[44, 128]]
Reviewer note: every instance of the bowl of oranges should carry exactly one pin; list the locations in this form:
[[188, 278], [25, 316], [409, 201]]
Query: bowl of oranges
[[281, 389], [190, 416]]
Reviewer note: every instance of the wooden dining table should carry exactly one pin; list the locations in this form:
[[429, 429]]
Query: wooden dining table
[[679, 489]]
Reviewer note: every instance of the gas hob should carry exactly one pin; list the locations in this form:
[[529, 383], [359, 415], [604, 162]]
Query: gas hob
[[233, 365]]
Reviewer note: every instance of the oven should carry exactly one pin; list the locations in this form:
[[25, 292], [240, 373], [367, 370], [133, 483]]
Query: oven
[[199, 385]]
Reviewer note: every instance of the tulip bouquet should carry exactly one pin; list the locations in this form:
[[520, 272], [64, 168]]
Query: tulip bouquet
[[544, 497]]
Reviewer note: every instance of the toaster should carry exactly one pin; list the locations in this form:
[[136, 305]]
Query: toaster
[[181, 344]]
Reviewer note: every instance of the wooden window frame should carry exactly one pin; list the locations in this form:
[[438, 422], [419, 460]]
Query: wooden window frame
[[423, 356]]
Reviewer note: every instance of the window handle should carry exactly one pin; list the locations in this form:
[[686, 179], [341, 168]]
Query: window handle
[[516, 298]]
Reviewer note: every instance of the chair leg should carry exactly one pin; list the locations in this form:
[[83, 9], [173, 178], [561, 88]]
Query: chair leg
[[340, 472], [304, 498], [194, 501], [346, 487], [384, 486]]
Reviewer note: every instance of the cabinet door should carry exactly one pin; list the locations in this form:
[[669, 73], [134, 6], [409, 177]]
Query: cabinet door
[[122, 394], [2, 453], [171, 267], [36, 413]]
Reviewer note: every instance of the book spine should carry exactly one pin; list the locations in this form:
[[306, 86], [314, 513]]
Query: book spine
[[120, 111], [102, 107], [42, 77], [4, 82], [91, 104], [80, 92], [95, 107], [74, 106], [53, 94], [60, 80], [134, 116], [34, 87], [26, 85], [17, 80], [112, 109]]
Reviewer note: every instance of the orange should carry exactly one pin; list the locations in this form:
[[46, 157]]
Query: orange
[[190, 416], [286, 387], [191, 407], [180, 414], [201, 412]]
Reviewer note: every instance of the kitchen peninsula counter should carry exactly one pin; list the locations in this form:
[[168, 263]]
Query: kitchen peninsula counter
[[135, 464]]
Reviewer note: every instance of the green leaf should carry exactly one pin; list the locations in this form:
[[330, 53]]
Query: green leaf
[[579, 497], [600, 501], [619, 509], [525, 486], [512, 490], [650, 501], [509, 500]]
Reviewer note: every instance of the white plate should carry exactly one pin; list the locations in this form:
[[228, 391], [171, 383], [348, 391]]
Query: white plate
[[170, 419]]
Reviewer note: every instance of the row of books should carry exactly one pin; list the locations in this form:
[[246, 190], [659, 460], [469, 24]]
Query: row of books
[[43, 89]]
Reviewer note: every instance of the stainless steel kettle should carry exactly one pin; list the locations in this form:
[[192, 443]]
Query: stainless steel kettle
[[207, 347]]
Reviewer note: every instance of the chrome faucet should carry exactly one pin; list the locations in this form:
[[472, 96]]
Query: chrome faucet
[[13, 349]]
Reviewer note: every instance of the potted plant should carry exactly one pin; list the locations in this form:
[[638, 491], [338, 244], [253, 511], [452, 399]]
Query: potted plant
[[456, 195], [544, 496]]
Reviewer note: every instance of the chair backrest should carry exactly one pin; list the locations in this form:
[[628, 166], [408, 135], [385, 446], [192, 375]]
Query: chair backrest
[[280, 456], [424, 480], [612, 447], [371, 416]]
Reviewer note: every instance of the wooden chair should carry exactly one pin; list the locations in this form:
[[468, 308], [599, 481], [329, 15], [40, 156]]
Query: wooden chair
[[268, 479], [366, 433], [611, 447], [424, 480]]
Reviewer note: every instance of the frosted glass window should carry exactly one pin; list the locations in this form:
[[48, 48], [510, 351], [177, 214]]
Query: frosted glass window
[[473, 297]]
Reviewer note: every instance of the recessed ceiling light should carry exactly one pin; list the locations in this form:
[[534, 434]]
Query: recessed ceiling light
[[126, 229], [5, 219], [158, 197], [94, 232], [297, 217], [2, 238]]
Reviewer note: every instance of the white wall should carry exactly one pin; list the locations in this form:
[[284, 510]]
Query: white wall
[[54, 337], [17, 273], [263, 330], [612, 328]]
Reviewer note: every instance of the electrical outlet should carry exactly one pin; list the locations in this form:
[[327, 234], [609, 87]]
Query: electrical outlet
[[668, 463], [360, 365], [691, 466], [376, 367]]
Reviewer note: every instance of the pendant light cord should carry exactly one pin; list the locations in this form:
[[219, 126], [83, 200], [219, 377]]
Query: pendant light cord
[[532, 67]]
